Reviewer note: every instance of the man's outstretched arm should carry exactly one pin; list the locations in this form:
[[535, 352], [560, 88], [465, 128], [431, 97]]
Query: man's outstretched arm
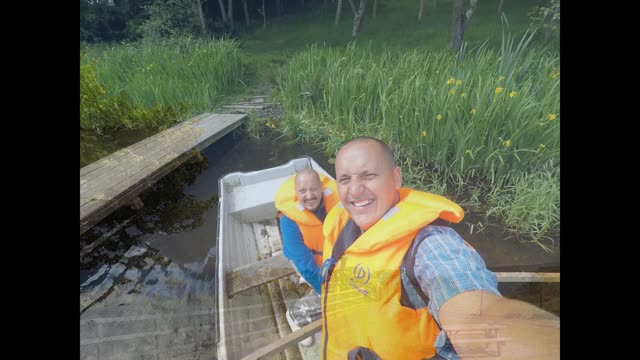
[[528, 331]]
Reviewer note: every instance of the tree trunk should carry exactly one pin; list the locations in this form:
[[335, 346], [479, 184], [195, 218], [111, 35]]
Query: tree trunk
[[421, 11], [375, 8], [457, 26], [230, 13], [200, 14], [222, 10], [246, 13], [264, 16], [469, 13], [278, 7], [353, 7], [552, 23], [338, 12], [500, 6], [357, 20]]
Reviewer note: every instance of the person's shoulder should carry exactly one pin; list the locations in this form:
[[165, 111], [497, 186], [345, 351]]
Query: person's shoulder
[[287, 223], [438, 230], [436, 237]]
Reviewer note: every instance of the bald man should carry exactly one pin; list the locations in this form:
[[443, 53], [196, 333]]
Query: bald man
[[303, 201], [402, 284]]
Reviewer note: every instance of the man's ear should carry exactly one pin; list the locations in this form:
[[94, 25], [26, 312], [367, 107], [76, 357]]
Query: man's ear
[[397, 177]]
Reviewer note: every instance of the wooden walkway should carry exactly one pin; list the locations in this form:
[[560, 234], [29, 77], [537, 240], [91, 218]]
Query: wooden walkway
[[116, 180]]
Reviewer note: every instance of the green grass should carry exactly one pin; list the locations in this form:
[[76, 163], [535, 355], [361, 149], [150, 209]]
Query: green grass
[[486, 150], [395, 27], [479, 116], [198, 72]]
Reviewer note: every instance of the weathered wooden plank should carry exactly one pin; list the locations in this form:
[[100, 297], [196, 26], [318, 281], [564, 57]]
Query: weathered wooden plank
[[527, 277], [262, 272], [147, 146], [284, 342], [257, 107], [144, 317], [138, 335], [98, 208], [124, 151], [125, 157], [473, 327], [122, 169], [113, 183], [140, 144], [141, 166], [483, 340], [121, 158]]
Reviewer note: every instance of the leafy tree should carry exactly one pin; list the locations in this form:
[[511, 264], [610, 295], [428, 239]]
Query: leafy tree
[[170, 18], [546, 17]]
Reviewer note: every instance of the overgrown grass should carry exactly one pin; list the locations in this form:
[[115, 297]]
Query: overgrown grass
[[101, 111], [133, 90], [495, 144], [531, 202], [194, 71], [395, 27], [478, 116]]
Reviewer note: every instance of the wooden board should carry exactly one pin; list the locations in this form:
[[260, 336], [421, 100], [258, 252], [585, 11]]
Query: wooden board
[[115, 180], [262, 272], [285, 342], [527, 277], [256, 107]]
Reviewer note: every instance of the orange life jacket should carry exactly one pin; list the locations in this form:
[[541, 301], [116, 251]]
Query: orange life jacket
[[310, 226], [361, 307]]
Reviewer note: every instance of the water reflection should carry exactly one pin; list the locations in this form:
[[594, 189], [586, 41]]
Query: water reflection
[[148, 288]]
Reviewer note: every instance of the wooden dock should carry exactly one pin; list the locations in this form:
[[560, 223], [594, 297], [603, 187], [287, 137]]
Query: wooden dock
[[116, 180]]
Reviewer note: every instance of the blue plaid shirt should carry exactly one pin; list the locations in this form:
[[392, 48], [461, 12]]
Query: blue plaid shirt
[[445, 266]]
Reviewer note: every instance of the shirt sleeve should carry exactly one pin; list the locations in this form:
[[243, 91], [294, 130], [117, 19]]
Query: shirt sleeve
[[446, 266], [295, 250]]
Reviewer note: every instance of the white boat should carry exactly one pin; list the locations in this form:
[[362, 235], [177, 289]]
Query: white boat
[[255, 282]]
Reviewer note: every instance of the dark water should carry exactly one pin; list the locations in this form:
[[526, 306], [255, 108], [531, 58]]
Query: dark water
[[153, 277]]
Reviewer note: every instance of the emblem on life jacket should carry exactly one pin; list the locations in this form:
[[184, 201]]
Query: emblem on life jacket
[[361, 276]]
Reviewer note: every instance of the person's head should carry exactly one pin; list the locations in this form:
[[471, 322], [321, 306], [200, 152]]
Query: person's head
[[368, 180], [309, 188]]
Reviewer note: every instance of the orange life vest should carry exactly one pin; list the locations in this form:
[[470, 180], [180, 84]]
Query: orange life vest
[[310, 226], [361, 307]]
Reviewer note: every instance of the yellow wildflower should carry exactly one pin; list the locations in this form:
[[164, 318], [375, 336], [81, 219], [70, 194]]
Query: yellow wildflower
[[551, 117], [439, 117], [452, 92], [499, 90], [541, 148], [473, 111], [458, 82], [450, 81], [555, 74], [424, 133], [512, 94], [501, 78], [507, 143]]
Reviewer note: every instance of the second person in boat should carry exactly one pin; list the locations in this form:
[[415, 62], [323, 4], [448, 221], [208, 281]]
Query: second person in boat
[[303, 202]]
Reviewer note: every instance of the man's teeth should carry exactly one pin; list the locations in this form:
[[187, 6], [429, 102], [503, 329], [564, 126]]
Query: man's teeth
[[362, 203]]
